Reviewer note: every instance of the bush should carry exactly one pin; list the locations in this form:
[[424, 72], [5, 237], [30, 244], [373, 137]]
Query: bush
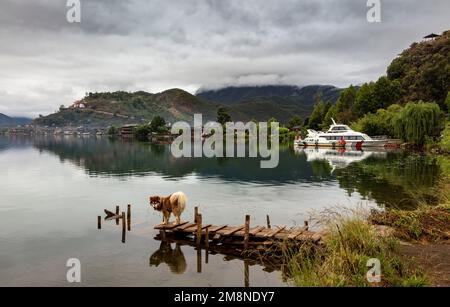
[[141, 132], [379, 123], [158, 125], [113, 130]]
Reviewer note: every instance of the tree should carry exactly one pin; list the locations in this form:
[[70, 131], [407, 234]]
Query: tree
[[418, 121], [345, 105], [294, 122], [158, 124], [385, 93], [379, 123], [142, 132], [365, 101], [317, 115], [331, 113], [447, 102], [222, 116], [112, 130]]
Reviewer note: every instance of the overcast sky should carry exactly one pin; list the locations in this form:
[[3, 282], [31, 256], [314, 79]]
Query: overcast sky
[[154, 45]]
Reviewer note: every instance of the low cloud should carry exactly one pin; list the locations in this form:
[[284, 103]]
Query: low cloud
[[159, 44]]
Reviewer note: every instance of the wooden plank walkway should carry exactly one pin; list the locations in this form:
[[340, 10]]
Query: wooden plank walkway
[[243, 234]]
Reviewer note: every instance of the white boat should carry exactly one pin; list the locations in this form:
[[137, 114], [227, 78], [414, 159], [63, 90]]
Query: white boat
[[342, 136]]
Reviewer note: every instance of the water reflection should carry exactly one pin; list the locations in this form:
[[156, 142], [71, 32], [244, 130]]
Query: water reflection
[[338, 158], [172, 257], [170, 253], [391, 178]]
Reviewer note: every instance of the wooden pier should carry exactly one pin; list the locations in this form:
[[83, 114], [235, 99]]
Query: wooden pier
[[242, 235]]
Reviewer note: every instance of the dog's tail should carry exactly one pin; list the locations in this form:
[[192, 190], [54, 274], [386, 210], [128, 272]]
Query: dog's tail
[[180, 199]]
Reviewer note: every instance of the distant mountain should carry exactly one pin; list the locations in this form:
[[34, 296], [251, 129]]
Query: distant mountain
[[8, 122], [245, 104], [118, 108], [264, 102], [291, 93]]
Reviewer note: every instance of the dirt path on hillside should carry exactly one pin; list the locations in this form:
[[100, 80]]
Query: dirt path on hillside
[[434, 259]]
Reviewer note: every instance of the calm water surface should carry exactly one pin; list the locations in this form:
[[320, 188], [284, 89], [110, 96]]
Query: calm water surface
[[52, 189]]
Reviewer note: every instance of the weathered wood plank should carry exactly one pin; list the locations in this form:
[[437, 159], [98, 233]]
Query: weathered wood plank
[[170, 226], [295, 233], [256, 229], [275, 231], [217, 228], [233, 230], [253, 231], [263, 233], [185, 226]]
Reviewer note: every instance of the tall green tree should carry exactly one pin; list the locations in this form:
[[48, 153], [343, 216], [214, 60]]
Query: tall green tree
[[317, 115], [295, 121], [158, 124], [365, 100], [345, 105], [447, 102], [222, 116]]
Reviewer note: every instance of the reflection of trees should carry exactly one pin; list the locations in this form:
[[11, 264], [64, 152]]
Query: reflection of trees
[[404, 180], [399, 179], [119, 158]]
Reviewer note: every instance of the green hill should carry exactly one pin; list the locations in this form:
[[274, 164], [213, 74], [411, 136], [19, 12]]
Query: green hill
[[423, 70], [118, 108]]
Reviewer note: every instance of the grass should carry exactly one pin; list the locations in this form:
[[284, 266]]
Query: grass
[[426, 223], [342, 260], [445, 141]]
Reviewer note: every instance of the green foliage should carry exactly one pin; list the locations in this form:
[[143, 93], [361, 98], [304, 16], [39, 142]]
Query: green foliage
[[377, 95], [295, 121], [141, 132], [417, 121], [112, 130], [331, 113], [447, 102], [423, 71], [158, 124], [379, 123], [222, 116], [318, 114], [345, 106], [444, 144]]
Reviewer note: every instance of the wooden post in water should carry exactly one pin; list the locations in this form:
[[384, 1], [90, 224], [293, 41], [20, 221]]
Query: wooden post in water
[[247, 231], [207, 237], [124, 229], [199, 229], [117, 213], [306, 225], [99, 222], [195, 214], [199, 259], [246, 274], [268, 221], [129, 217]]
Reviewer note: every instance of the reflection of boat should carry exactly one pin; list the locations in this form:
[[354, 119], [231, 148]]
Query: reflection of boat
[[338, 158], [342, 136]]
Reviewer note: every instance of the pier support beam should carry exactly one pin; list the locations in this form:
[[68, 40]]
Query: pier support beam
[[247, 231]]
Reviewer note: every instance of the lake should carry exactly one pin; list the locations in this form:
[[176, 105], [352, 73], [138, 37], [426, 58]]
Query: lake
[[53, 188]]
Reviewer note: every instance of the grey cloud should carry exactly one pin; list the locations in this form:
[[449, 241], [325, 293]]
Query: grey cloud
[[158, 44]]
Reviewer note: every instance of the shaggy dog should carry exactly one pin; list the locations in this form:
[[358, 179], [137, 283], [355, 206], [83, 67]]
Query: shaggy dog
[[175, 203]]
